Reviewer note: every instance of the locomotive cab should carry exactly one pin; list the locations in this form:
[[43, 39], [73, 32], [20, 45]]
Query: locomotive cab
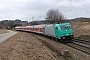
[[64, 31]]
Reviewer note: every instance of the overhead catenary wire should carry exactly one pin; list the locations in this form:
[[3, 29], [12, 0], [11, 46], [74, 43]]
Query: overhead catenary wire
[[39, 18], [77, 8], [59, 7], [71, 10], [65, 4], [77, 14]]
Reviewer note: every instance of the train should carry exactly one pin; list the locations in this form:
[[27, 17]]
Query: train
[[62, 31]]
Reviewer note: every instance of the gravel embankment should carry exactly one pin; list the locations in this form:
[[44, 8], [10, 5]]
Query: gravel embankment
[[58, 47], [23, 46]]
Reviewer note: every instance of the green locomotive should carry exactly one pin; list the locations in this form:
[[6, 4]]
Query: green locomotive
[[62, 32]]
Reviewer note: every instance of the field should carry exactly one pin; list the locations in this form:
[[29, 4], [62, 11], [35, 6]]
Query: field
[[23, 46], [81, 30], [3, 31]]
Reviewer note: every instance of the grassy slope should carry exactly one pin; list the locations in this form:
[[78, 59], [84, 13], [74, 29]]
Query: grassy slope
[[81, 29], [2, 31]]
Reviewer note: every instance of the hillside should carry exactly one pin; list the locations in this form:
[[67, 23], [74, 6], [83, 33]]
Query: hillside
[[81, 29], [82, 20]]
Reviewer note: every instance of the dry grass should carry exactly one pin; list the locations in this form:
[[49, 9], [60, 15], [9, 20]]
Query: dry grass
[[81, 29], [3, 31], [58, 47], [23, 46]]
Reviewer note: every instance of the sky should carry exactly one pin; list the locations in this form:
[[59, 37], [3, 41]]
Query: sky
[[29, 10]]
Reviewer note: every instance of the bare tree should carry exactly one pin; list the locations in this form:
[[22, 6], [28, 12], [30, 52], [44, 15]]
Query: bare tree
[[54, 16]]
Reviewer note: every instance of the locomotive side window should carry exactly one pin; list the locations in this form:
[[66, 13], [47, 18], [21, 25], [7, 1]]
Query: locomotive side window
[[56, 28]]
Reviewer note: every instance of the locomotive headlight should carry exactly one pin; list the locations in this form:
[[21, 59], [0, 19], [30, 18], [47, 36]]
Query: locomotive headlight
[[66, 30], [71, 34]]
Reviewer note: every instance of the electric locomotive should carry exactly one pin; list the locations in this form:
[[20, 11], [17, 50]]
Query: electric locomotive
[[62, 32]]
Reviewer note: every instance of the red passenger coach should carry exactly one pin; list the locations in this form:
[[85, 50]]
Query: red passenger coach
[[29, 28], [23, 28], [35, 28], [17, 28], [39, 29]]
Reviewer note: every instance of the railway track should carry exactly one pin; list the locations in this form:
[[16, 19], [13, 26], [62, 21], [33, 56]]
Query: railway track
[[81, 45], [82, 41], [55, 46]]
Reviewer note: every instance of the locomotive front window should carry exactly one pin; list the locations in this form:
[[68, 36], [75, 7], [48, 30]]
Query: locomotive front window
[[64, 27]]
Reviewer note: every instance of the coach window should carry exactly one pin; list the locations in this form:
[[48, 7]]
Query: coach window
[[27, 28]]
